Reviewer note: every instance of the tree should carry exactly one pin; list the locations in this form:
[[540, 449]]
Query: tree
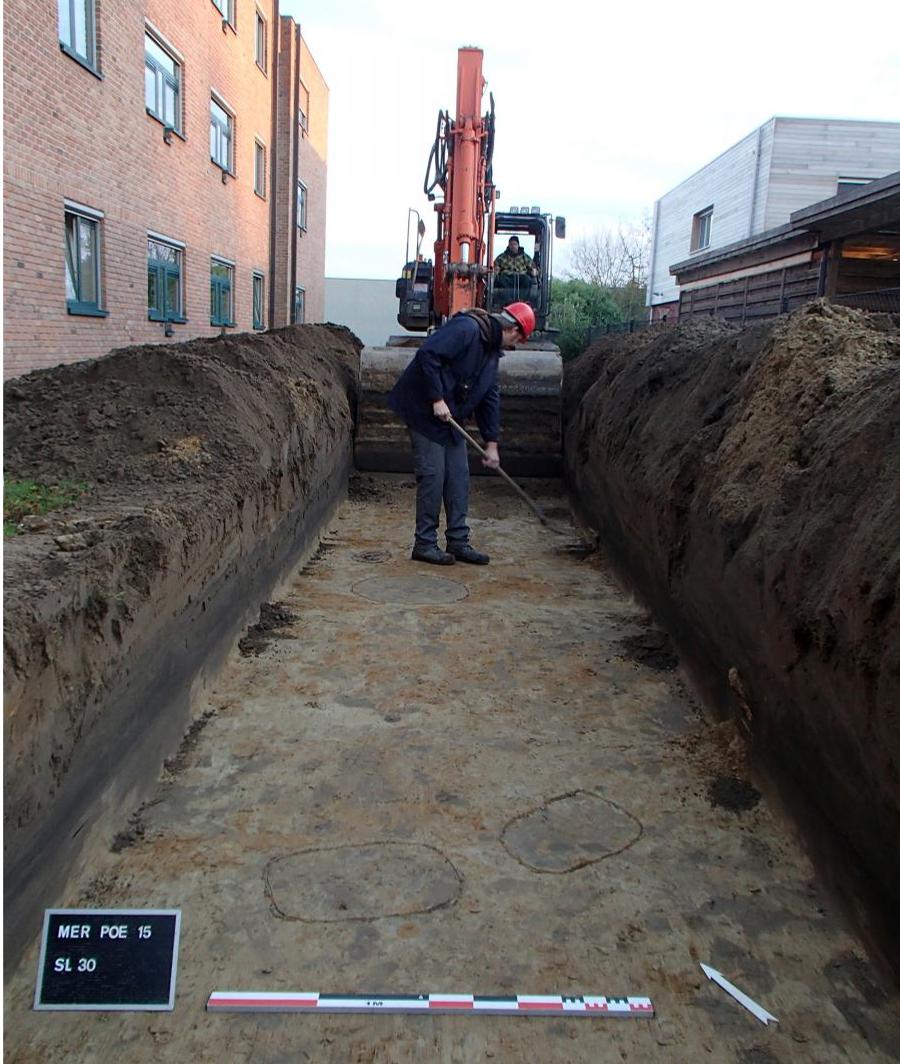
[[616, 260], [575, 308]]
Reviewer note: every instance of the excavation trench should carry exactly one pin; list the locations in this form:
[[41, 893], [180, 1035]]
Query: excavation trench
[[235, 695]]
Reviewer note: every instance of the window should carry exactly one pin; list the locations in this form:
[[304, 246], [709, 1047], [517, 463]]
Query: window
[[303, 109], [259, 292], [221, 135], [259, 170], [261, 42], [226, 8], [83, 262], [221, 311], [162, 84], [301, 205], [298, 314], [76, 30], [701, 229], [164, 288]]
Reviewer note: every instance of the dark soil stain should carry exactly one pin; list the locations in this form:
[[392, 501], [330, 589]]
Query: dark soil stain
[[179, 762], [273, 617], [728, 792], [132, 834], [653, 649], [363, 488]]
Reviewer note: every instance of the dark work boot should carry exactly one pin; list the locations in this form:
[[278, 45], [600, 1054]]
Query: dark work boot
[[432, 554], [464, 552]]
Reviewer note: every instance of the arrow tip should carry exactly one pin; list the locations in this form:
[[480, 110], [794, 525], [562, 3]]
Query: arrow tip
[[707, 971]]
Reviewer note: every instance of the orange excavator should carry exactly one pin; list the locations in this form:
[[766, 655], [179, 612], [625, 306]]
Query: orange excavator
[[462, 276]]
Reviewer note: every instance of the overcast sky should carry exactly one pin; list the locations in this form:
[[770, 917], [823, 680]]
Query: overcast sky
[[600, 109]]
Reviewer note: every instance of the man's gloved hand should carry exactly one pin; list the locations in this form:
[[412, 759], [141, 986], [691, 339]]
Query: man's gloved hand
[[441, 410], [493, 456]]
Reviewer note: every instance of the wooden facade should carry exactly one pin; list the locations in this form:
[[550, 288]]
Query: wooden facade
[[846, 248], [750, 298], [753, 187]]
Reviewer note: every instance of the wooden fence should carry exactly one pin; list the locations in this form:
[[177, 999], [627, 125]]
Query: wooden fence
[[748, 299]]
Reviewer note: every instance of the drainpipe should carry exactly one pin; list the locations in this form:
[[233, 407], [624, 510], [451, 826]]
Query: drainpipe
[[295, 171], [652, 284], [273, 162]]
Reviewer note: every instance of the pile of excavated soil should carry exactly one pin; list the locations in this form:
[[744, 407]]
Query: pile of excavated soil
[[747, 483], [207, 465]]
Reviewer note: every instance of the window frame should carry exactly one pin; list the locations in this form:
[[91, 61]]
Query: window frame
[[217, 101], [163, 271], [226, 9], [260, 187], [701, 226], [218, 286], [89, 308], [259, 320], [262, 22], [179, 66], [300, 291], [302, 204], [88, 59]]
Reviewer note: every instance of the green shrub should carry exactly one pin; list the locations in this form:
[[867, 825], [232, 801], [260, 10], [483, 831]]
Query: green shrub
[[24, 497]]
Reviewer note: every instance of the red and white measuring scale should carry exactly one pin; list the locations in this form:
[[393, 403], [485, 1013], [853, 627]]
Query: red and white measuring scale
[[497, 1005]]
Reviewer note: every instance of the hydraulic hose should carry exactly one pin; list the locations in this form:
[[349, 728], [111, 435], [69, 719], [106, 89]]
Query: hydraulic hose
[[438, 156]]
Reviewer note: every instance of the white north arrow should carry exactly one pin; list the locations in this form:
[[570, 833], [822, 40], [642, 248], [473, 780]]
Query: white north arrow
[[758, 1011]]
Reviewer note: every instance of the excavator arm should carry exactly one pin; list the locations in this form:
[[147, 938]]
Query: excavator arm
[[464, 148]]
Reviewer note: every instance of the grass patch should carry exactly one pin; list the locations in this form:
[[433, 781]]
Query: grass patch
[[24, 497]]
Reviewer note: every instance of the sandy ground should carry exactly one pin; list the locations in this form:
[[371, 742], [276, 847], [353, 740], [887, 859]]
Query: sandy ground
[[486, 780]]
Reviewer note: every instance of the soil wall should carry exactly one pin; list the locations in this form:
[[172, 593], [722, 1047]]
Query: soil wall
[[747, 483], [210, 467]]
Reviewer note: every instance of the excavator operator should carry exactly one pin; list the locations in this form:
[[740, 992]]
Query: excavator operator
[[454, 374], [515, 273], [515, 260]]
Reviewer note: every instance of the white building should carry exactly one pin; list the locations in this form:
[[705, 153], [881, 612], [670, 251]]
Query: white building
[[786, 164], [366, 306]]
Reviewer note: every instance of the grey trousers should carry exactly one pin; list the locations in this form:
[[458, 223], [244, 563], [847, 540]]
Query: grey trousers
[[442, 475]]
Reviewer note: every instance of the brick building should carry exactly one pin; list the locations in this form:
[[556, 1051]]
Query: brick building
[[148, 162]]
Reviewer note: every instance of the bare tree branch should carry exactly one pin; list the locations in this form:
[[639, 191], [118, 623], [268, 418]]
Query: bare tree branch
[[616, 260]]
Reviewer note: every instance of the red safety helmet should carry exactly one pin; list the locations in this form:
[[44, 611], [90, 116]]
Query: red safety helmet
[[523, 316]]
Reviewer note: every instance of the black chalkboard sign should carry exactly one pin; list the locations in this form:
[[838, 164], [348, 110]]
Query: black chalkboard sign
[[108, 959]]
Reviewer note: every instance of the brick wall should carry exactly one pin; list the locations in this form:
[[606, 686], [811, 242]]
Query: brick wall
[[70, 135]]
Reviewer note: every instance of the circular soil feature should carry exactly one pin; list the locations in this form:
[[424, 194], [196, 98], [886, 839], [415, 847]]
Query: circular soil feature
[[733, 794], [410, 590], [570, 832], [372, 556], [368, 882]]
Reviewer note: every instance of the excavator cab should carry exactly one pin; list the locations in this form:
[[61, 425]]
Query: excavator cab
[[533, 231]]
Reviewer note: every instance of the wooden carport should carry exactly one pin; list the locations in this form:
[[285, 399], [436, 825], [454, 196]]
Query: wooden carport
[[846, 248]]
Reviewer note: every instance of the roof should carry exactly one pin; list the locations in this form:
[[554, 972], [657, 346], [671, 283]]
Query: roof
[[871, 207]]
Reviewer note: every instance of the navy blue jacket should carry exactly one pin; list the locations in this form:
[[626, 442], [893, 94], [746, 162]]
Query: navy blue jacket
[[456, 365]]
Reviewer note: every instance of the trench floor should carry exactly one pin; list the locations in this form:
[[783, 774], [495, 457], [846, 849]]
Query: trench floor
[[470, 780]]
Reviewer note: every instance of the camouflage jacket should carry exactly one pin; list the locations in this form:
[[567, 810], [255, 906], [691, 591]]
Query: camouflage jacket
[[509, 263]]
